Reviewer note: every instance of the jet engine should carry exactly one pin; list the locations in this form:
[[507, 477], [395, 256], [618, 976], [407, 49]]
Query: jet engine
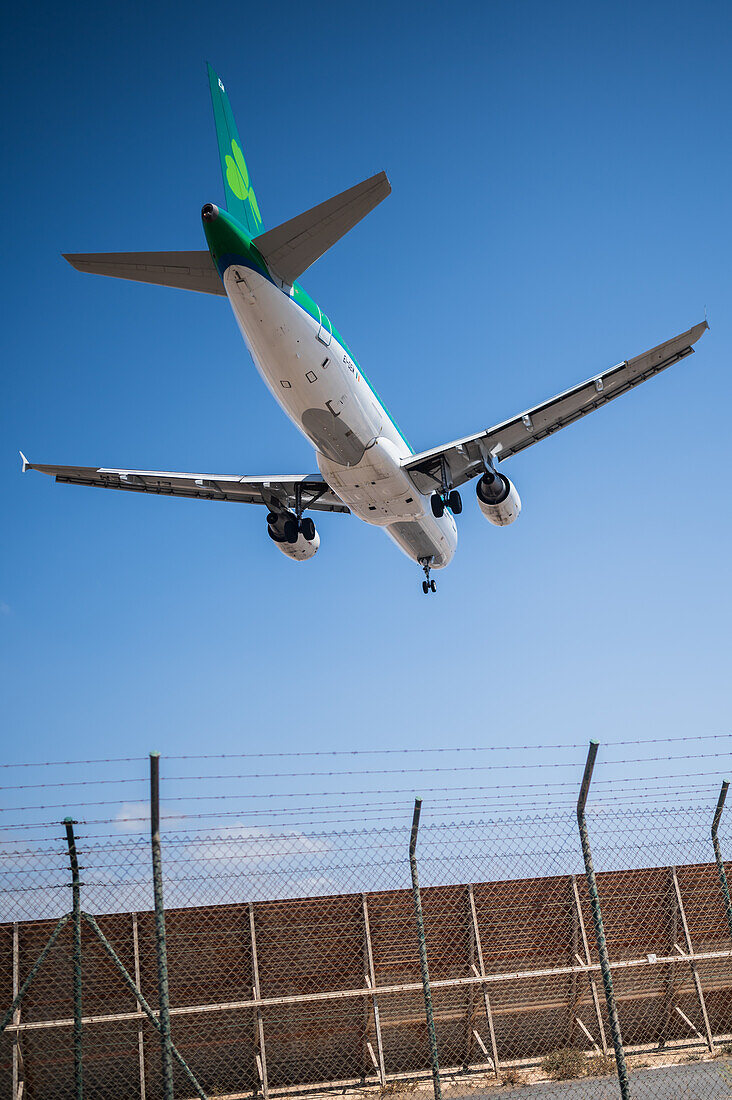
[[497, 498], [296, 539]]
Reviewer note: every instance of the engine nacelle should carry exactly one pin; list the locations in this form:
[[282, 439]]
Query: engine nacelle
[[282, 526], [497, 499]]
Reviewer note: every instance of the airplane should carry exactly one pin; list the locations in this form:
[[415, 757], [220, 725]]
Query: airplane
[[365, 464]]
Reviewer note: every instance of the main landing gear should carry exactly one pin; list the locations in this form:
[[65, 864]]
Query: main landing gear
[[451, 500], [294, 527], [447, 497], [427, 584]]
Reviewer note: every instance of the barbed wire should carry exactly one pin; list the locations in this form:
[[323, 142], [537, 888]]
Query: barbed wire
[[400, 812], [534, 765], [367, 752], [260, 795]]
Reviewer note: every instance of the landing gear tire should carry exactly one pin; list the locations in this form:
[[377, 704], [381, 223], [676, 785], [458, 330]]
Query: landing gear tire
[[438, 506], [290, 531], [455, 502], [307, 529], [427, 584]]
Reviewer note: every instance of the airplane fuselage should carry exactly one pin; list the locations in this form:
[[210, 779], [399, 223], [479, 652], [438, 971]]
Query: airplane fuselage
[[321, 387]]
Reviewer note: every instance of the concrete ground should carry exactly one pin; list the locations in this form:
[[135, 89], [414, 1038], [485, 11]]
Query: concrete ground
[[700, 1081]]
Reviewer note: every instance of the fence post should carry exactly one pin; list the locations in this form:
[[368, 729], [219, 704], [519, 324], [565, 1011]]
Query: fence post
[[17, 1063], [17, 999], [136, 992], [607, 979], [76, 957], [423, 951], [718, 853], [162, 953]]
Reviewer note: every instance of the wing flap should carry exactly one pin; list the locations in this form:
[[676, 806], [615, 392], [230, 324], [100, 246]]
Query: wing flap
[[292, 247], [465, 457], [269, 490], [183, 270]]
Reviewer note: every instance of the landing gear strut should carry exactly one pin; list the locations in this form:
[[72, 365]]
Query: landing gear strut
[[427, 584]]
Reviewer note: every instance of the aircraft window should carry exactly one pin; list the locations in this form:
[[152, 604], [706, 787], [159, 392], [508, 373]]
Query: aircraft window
[[311, 376], [325, 362], [285, 384]]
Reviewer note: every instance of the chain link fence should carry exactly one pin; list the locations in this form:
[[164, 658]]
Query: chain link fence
[[290, 955]]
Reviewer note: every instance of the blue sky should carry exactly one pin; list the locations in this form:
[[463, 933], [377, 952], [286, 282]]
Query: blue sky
[[561, 201]]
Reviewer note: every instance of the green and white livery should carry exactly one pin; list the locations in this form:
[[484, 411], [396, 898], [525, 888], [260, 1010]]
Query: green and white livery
[[365, 465], [241, 201]]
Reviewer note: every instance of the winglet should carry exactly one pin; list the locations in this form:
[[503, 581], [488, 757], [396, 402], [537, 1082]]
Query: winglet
[[26, 463]]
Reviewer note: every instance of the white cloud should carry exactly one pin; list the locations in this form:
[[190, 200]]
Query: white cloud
[[256, 845], [132, 817]]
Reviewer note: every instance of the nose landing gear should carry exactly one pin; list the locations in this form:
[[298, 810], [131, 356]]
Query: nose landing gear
[[427, 584]]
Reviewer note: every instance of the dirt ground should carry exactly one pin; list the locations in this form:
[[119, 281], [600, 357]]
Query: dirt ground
[[687, 1073]]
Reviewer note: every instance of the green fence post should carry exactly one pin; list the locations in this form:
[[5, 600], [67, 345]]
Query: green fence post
[[142, 1002], [718, 853], [607, 979], [76, 958], [423, 951], [33, 971], [162, 952]]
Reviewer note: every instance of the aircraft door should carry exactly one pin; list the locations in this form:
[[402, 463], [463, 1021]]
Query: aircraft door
[[336, 407], [325, 332]]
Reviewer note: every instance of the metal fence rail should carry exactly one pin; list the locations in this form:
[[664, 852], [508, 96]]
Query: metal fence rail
[[502, 953]]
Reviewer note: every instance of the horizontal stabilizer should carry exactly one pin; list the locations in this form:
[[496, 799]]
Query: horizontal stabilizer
[[184, 270], [292, 247]]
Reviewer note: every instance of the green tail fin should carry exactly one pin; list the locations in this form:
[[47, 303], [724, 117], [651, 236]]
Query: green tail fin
[[241, 201]]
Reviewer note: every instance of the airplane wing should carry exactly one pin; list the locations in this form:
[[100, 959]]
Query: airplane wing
[[184, 270], [273, 490], [464, 457]]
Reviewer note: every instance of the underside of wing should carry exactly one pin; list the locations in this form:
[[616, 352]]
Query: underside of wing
[[465, 458], [183, 270], [274, 491]]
